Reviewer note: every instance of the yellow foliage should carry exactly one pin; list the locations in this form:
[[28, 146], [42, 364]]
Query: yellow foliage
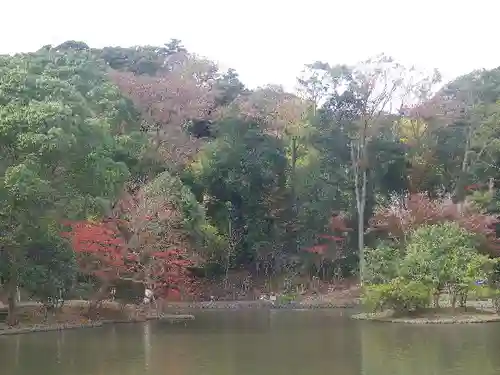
[[411, 130]]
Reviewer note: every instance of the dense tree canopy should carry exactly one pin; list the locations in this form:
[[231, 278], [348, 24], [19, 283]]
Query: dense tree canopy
[[64, 147], [159, 148]]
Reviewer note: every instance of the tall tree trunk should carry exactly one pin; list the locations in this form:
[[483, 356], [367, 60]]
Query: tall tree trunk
[[12, 319], [11, 288], [361, 244], [291, 225], [228, 253], [360, 181], [460, 188], [361, 230]]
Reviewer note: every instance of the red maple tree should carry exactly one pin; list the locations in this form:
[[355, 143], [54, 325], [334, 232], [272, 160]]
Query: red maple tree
[[103, 252], [332, 245], [338, 228], [100, 250]]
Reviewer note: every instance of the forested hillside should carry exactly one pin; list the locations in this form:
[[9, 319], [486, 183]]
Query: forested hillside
[[151, 166]]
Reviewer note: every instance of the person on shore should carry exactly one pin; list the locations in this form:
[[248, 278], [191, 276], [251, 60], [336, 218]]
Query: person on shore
[[149, 297], [273, 298]]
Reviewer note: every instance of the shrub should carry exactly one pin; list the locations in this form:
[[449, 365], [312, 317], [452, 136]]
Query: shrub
[[485, 292], [443, 256], [382, 264], [286, 299], [437, 258], [374, 297], [400, 295]]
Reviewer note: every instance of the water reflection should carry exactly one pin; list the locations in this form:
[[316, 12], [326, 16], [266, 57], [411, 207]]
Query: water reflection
[[257, 343], [393, 349], [147, 344]]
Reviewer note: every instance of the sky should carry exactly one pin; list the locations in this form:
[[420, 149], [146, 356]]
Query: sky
[[269, 41]]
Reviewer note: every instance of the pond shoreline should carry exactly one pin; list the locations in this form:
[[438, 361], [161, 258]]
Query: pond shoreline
[[470, 315], [339, 299], [243, 305], [171, 318], [182, 311]]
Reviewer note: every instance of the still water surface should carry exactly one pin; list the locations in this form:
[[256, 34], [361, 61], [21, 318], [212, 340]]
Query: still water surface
[[258, 343]]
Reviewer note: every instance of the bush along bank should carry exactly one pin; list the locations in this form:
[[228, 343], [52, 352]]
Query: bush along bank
[[407, 284]]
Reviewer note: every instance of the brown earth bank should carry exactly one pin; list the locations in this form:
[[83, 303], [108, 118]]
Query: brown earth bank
[[241, 287], [344, 298], [75, 314]]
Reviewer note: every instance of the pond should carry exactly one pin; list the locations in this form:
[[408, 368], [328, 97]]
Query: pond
[[257, 343]]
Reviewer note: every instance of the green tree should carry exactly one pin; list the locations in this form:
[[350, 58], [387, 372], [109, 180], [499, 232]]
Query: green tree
[[247, 168], [357, 117], [444, 256], [382, 264], [49, 269], [467, 139], [63, 141]]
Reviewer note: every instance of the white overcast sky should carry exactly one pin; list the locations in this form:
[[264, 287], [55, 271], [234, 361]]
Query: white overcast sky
[[268, 41]]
